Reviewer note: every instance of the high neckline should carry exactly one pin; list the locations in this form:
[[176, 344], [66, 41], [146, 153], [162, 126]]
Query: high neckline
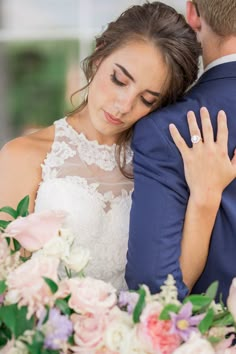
[[93, 141], [90, 151]]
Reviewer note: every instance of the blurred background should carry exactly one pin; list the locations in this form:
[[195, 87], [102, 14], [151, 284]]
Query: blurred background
[[41, 46]]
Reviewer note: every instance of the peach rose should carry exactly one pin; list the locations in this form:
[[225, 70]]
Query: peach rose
[[89, 295], [155, 334], [27, 287], [35, 230]]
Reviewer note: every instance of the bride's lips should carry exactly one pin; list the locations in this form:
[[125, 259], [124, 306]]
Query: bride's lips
[[111, 119]]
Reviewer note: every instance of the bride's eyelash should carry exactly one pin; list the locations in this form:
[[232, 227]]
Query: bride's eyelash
[[120, 83], [147, 103], [115, 80]]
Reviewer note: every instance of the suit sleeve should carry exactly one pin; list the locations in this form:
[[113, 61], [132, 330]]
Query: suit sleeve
[[159, 203]]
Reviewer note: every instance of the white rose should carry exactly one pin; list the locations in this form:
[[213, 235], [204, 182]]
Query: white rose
[[195, 345], [57, 247], [66, 235], [132, 345], [77, 259], [118, 332]]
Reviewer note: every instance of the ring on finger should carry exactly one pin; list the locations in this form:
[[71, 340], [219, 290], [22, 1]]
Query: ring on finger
[[195, 139]]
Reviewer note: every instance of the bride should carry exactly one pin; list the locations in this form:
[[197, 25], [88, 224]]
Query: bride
[[83, 162]]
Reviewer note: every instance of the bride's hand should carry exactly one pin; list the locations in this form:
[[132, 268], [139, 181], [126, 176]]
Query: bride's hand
[[207, 166]]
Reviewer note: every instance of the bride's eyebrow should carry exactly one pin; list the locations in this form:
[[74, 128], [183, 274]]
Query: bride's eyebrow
[[125, 71]]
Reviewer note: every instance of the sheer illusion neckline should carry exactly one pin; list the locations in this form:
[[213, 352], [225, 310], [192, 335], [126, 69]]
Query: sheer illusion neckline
[[94, 142], [90, 151]]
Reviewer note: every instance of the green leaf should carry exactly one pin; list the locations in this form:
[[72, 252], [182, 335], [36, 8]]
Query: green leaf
[[15, 319], [214, 340], [227, 320], [23, 207], [167, 309], [71, 340], [3, 286], [67, 298], [36, 347], [8, 239], [10, 211], [212, 290], [139, 306], [63, 306], [206, 322], [4, 224], [47, 314], [52, 285], [24, 259], [200, 302], [5, 335], [17, 245], [3, 339]]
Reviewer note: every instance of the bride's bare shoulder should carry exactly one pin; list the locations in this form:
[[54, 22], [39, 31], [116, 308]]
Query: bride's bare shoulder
[[32, 147]]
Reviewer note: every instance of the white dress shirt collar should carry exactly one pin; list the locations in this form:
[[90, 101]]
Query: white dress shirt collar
[[225, 59]]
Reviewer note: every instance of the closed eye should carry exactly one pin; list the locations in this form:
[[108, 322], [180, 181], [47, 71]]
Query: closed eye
[[115, 80], [147, 103]]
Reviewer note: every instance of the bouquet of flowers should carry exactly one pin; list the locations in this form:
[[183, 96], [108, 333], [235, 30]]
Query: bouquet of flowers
[[48, 306]]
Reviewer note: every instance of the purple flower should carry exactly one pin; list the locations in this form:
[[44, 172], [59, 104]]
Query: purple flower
[[128, 299], [183, 323], [57, 329]]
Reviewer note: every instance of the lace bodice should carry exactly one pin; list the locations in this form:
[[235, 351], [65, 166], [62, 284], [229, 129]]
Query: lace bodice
[[82, 177]]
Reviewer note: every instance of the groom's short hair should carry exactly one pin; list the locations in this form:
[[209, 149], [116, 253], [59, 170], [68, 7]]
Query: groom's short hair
[[220, 15]]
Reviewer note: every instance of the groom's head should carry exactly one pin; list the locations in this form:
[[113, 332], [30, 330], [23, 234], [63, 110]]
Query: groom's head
[[214, 22], [220, 15]]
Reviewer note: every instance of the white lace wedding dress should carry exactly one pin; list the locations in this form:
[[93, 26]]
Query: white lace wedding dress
[[83, 178]]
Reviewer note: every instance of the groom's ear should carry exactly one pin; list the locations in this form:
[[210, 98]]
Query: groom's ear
[[193, 16]]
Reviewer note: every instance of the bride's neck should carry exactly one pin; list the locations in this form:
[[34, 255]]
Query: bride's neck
[[81, 122]]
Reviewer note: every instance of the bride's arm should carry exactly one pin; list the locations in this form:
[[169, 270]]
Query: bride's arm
[[208, 170]]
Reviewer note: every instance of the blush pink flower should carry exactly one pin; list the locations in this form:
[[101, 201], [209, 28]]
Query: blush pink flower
[[224, 346], [27, 287], [90, 295], [89, 330], [231, 301], [155, 334], [35, 230]]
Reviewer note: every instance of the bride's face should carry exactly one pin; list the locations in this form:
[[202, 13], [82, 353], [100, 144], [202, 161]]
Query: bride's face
[[126, 87]]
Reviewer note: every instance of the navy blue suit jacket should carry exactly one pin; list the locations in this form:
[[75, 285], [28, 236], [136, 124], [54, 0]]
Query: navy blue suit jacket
[[161, 194]]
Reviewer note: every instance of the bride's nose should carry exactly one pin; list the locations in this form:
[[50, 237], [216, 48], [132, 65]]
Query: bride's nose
[[125, 102]]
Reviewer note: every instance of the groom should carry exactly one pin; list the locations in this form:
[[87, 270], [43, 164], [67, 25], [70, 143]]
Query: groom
[[161, 193]]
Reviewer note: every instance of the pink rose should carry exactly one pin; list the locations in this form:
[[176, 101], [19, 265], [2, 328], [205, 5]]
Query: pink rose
[[89, 331], [154, 333], [27, 287], [223, 347], [231, 301], [89, 295], [231, 350], [35, 230], [195, 345]]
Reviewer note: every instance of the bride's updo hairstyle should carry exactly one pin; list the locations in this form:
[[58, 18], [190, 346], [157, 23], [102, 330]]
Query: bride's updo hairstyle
[[162, 26]]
